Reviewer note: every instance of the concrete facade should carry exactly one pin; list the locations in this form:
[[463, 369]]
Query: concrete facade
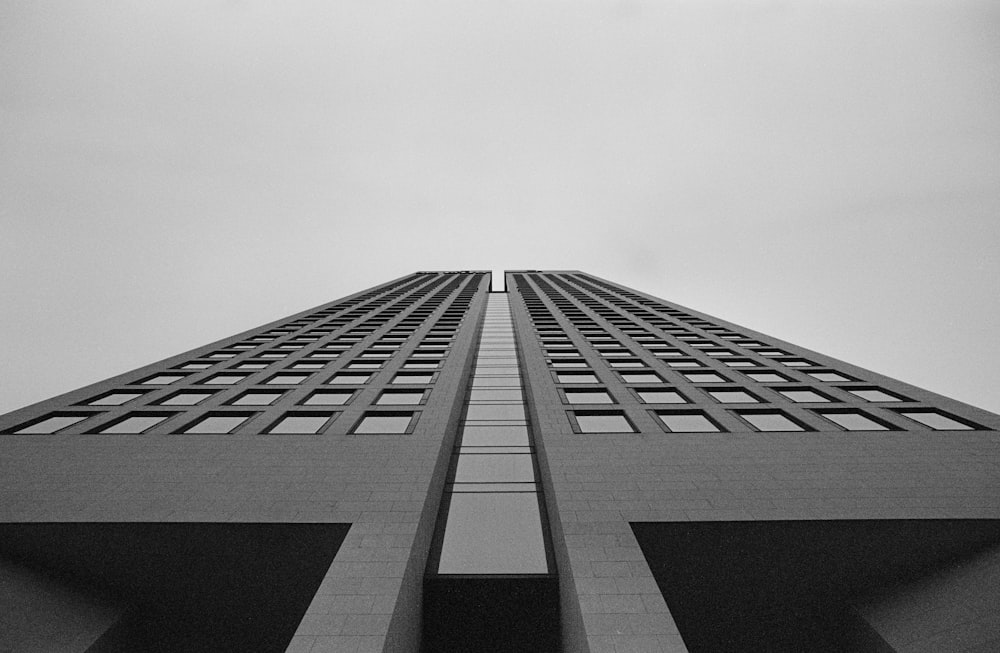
[[387, 486]]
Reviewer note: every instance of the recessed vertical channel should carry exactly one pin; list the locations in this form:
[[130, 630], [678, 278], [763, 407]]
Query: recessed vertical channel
[[491, 582]]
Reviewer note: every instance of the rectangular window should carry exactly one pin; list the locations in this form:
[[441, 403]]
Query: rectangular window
[[854, 420], [404, 378], [874, 394], [217, 423], [767, 377], [52, 423], [655, 396], [384, 423], [938, 420], [733, 397], [481, 412], [771, 421], [704, 377], [588, 397], [162, 379], [304, 423], [603, 423], [688, 422], [114, 398], [135, 423], [803, 395], [287, 379], [225, 379], [257, 398], [328, 398], [829, 376], [576, 377], [349, 379], [185, 398], [488, 435], [399, 398]]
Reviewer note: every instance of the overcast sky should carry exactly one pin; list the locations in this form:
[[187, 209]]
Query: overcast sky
[[825, 172]]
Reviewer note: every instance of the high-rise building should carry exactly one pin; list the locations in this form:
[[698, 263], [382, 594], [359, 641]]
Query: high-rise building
[[565, 464]]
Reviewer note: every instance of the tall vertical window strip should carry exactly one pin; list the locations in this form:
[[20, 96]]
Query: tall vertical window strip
[[493, 524]]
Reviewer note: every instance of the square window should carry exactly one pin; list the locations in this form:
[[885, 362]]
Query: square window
[[641, 377], [576, 377], [854, 420], [257, 398], [114, 398], [328, 398], [588, 397], [397, 398], [767, 377], [306, 423], [52, 423], [349, 379], [384, 423], [225, 379], [874, 394], [134, 423], [408, 378], [771, 421], [162, 379], [665, 396], [704, 377], [803, 396], [286, 379], [185, 398], [829, 376], [688, 422], [217, 423], [603, 423], [733, 397], [938, 420]]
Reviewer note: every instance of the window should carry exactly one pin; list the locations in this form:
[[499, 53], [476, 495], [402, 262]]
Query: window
[[703, 377], [576, 377], [627, 364], [688, 422], [567, 364], [734, 397], [384, 423], [328, 398], [349, 379], [135, 423], [217, 423], [114, 398], [52, 423], [397, 398], [854, 420], [225, 379], [874, 394], [771, 421], [489, 435], [767, 377], [251, 365], [641, 377], [287, 379], [186, 398], [301, 423], [603, 423], [795, 362], [684, 363], [829, 376], [196, 365], [410, 378], [654, 396], [742, 362], [307, 365], [804, 396], [494, 395], [257, 398], [162, 379], [413, 365], [504, 412], [938, 420], [588, 397]]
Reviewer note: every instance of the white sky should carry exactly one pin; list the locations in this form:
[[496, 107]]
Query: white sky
[[825, 172]]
